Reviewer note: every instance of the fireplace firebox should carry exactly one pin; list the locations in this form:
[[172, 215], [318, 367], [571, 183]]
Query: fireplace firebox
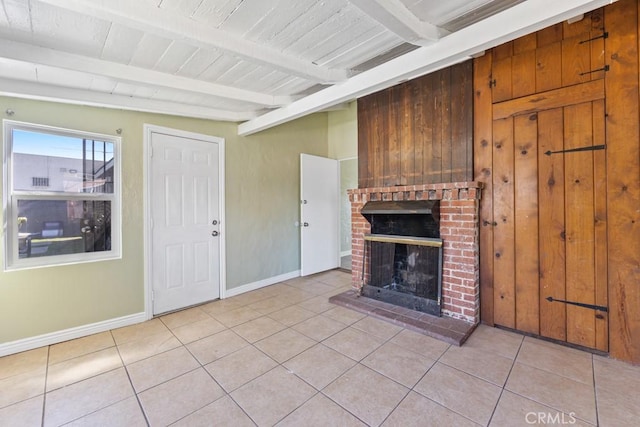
[[403, 254]]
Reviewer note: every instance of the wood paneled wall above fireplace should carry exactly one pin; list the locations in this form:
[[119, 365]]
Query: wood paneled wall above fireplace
[[418, 132]]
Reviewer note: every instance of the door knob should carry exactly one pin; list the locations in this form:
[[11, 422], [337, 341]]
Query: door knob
[[306, 224], [214, 233]]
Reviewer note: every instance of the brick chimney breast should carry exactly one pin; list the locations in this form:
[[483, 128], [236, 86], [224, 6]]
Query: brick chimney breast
[[459, 230]]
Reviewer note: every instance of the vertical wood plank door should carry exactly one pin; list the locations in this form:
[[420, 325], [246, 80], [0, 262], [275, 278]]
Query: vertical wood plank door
[[549, 192], [544, 231], [586, 202], [550, 223]]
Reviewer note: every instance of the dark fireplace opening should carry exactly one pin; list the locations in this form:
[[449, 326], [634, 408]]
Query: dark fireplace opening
[[404, 254], [408, 218]]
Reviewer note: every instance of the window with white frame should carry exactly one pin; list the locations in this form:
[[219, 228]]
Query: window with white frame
[[61, 196]]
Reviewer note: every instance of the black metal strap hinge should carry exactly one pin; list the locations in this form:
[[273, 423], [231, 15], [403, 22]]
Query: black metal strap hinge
[[580, 304], [604, 35], [492, 83], [573, 150], [605, 68]]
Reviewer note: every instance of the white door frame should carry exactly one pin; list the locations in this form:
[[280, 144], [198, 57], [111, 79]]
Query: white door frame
[[340, 255], [148, 131]]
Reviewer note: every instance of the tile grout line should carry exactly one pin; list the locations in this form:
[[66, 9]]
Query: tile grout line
[[559, 374], [225, 394], [317, 392], [438, 360], [345, 409], [252, 344], [334, 380], [94, 376], [505, 382], [126, 370], [359, 362], [595, 390], [278, 365], [87, 378], [180, 375], [241, 408], [547, 405], [428, 398], [281, 364], [44, 392]]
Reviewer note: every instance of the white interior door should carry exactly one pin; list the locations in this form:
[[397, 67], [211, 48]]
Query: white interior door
[[319, 186], [185, 221]]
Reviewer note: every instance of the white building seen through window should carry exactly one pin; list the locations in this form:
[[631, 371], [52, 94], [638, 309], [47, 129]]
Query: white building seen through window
[[62, 196]]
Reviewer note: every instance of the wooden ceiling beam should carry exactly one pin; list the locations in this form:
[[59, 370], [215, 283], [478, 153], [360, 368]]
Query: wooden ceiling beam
[[67, 95], [394, 15], [145, 17], [130, 74], [519, 20]]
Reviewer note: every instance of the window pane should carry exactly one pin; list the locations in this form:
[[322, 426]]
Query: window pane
[[60, 227], [50, 162]]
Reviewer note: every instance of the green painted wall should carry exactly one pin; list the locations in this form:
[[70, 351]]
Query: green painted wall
[[343, 132], [262, 192], [263, 198]]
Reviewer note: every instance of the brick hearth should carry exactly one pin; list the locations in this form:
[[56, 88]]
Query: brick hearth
[[459, 230]]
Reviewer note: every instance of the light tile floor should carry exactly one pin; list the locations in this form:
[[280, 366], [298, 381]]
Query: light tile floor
[[283, 355]]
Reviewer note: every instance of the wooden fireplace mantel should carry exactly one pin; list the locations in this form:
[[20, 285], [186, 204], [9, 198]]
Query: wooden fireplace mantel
[[442, 191]]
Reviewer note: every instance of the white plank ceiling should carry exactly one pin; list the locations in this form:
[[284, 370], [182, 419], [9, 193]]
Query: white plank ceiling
[[260, 62]]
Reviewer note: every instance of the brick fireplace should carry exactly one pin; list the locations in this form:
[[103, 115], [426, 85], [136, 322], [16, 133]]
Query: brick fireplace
[[459, 230]]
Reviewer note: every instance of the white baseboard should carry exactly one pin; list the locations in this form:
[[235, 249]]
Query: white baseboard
[[69, 334], [94, 328], [260, 284], [345, 253]]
